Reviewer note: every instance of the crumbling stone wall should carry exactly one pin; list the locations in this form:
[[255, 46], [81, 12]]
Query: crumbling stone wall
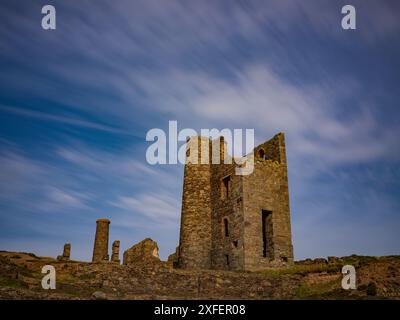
[[146, 251], [173, 258]]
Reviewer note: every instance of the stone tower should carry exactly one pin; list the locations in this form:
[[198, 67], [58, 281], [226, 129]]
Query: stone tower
[[195, 235], [236, 222], [100, 251]]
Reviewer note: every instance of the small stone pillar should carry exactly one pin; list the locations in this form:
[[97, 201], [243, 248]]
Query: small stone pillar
[[115, 252], [66, 253], [100, 251]]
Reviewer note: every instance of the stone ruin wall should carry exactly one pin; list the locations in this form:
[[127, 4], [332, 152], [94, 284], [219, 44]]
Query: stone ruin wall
[[227, 251], [267, 189]]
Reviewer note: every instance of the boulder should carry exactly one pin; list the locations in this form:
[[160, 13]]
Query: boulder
[[98, 295]]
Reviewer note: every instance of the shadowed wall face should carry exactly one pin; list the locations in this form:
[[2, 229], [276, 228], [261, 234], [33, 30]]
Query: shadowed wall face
[[267, 231], [100, 251]]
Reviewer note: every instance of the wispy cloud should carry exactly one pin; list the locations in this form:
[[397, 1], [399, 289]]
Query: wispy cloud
[[159, 207], [60, 200], [45, 186], [57, 118], [124, 166], [259, 97], [18, 174]]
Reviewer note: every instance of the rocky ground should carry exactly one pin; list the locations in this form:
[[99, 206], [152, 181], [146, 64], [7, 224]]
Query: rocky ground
[[20, 278]]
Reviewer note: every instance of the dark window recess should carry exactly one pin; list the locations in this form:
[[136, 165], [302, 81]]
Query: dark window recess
[[235, 243], [226, 227], [227, 260], [266, 231], [225, 187], [261, 153]]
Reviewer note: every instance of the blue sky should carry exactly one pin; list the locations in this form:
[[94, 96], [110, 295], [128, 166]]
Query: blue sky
[[76, 104]]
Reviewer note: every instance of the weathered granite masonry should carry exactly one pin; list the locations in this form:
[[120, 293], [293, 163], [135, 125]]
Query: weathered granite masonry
[[115, 252], [195, 235], [146, 251], [235, 222], [66, 253], [100, 251]]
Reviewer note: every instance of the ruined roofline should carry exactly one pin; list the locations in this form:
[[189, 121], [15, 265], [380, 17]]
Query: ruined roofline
[[267, 145], [280, 136]]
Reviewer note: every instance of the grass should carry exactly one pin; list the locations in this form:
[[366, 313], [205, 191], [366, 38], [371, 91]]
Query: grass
[[324, 290], [72, 290], [302, 269], [358, 261], [11, 282]]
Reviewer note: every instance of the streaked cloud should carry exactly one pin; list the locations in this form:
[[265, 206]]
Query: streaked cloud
[[155, 206], [57, 118]]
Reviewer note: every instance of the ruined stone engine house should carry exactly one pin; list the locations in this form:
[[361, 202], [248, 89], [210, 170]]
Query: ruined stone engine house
[[235, 222]]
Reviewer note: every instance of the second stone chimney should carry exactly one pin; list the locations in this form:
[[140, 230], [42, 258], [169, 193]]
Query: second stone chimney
[[100, 250]]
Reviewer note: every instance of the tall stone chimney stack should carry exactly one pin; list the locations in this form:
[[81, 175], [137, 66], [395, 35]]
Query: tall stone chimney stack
[[100, 251]]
